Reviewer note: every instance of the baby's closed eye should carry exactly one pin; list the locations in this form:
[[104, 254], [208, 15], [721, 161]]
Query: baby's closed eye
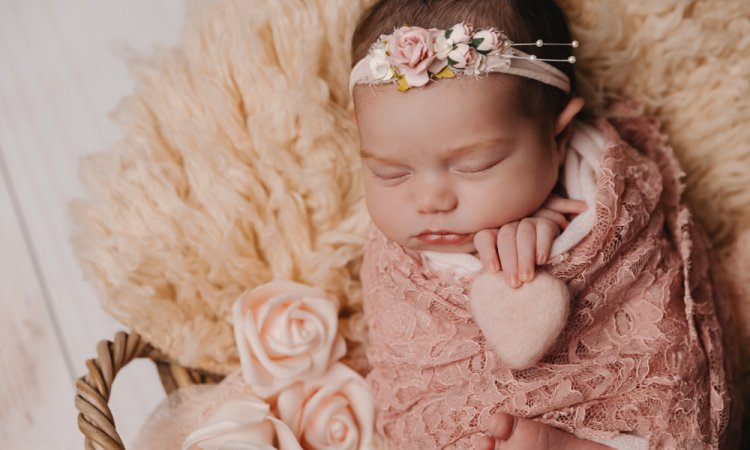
[[478, 168]]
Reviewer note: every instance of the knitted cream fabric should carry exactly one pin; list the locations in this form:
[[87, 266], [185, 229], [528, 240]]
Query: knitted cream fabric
[[239, 158]]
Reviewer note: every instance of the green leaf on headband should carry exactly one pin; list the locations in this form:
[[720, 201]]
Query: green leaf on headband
[[476, 42], [448, 33], [445, 73], [451, 62]]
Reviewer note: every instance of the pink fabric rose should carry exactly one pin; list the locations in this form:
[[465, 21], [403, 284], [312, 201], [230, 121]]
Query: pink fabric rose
[[411, 53], [242, 424], [475, 62], [285, 332], [438, 65], [333, 412]]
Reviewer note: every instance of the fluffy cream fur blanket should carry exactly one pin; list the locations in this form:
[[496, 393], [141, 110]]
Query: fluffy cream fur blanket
[[239, 161]]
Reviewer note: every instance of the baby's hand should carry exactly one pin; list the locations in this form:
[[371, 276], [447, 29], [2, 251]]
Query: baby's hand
[[556, 207], [519, 245], [523, 243]]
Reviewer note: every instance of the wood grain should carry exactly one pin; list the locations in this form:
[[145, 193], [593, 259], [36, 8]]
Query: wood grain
[[35, 389], [60, 76]]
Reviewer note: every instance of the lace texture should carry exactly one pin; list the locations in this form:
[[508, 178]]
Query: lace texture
[[642, 351]]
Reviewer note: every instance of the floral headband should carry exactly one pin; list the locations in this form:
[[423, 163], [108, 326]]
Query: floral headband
[[411, 56]]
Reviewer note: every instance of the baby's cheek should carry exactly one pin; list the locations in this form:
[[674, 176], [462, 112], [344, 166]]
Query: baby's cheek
[[496, 211], [386, 212]]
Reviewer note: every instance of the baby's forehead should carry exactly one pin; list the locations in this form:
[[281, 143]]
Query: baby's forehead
[[464, 98], [437, 119], [497, 88]]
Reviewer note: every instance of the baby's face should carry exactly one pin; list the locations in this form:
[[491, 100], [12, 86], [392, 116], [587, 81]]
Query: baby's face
[[453, 156]]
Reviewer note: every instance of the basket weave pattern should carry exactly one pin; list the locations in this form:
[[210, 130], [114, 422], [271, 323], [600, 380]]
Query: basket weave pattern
[[93, 390]]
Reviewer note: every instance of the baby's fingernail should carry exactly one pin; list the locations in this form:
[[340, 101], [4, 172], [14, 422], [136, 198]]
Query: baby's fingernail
[[514, 281], [526, 276], [540, 259]]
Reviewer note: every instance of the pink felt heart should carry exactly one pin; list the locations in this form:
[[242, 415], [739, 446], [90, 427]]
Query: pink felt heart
[[520, 324]]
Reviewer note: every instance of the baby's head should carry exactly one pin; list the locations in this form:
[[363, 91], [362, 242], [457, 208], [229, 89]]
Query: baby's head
[[462, 154]]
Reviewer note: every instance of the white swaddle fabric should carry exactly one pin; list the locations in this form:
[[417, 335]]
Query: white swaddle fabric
[[581, 170]]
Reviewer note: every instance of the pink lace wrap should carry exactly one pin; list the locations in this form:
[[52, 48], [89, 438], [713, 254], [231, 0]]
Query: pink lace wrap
[[642, 351]]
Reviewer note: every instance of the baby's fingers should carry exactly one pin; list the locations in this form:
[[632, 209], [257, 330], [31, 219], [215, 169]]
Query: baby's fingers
[[506, 246], [565, 205], [526, 243], [554, 216], [546, 233], [485, 243]]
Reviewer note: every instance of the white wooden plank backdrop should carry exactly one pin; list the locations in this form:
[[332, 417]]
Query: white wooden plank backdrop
[[59, 77]]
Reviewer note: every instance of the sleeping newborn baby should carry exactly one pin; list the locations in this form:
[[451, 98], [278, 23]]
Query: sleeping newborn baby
[[462, 177]]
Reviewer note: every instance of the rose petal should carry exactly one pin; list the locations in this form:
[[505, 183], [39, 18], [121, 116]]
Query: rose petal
[[309, 406], [285, 331], [332, 412], [241, 424]]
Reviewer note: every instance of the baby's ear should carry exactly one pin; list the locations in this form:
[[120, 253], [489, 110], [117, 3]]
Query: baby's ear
[[562, 124], [573, 107]]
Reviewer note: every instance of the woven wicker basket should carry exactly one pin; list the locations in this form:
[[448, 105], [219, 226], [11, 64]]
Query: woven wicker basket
[[93, 390]]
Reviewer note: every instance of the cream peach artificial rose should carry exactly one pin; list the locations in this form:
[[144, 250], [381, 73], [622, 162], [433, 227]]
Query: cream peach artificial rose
[[334, 412], [285, 332], [242, 424]]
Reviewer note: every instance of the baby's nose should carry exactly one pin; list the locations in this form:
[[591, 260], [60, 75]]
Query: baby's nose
[[436, 197]]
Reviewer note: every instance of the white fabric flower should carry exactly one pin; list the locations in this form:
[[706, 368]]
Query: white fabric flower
[[460, 34], [285, 332], [490, 40], [241, 424], [380, 66], [459, 55]]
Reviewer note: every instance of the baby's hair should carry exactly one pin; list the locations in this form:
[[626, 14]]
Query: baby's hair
[[521, 20]]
